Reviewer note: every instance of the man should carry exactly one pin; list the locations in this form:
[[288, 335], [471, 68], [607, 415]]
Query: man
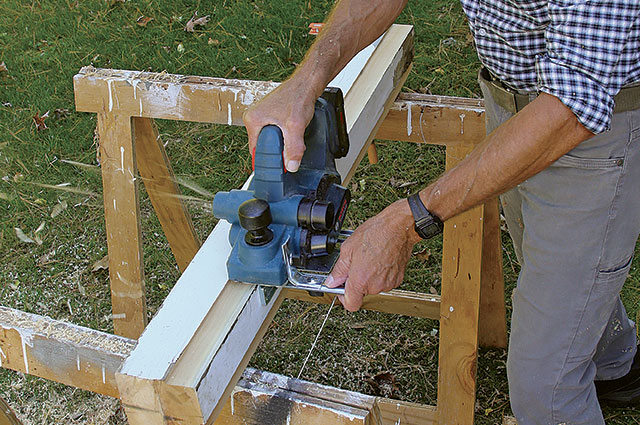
[[564, 144]]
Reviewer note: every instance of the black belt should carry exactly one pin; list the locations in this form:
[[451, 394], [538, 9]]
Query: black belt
[[627, 99]]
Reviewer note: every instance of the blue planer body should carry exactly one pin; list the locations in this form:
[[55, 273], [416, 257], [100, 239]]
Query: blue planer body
[[303, 211]]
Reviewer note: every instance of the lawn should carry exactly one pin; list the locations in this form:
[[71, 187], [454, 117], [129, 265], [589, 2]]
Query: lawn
[[50, 186]]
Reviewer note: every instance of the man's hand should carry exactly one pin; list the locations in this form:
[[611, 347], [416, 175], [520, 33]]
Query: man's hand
[[290, 107], [373, 259]]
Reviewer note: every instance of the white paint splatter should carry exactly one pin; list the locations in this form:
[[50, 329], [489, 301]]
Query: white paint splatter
[[229, 118], [122, 159], [140, 106], [109, 82], [1, 356], [114, 204], [398, 423], [119, 316], [409, 128], [24, 355], [462, 123], [451, 309], [104, 380], [78, 361], [247, 98]]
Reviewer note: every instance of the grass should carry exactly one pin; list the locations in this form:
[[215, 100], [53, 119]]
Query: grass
[[44, 43]]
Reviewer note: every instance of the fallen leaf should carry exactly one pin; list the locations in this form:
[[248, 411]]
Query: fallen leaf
[[424, 255], [40, 228], [24, 238], [384, 384], [3, 67], [58, 208], [39, 120], [144, 20], [214, 42], [196, 21], [399, 183], [180, 48], [102, 264]]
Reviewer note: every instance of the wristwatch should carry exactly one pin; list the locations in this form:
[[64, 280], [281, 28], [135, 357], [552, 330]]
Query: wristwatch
[[427, 224]]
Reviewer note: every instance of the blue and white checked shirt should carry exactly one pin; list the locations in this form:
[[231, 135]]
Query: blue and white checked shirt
[[581, 51]]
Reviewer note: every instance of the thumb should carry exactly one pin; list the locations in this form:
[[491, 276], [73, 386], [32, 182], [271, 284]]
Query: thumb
[[340, 272], [293, 148]]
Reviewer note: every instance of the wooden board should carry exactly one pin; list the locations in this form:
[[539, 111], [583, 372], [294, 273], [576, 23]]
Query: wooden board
[[62, 352], [157, 176], [396, 301], [459, 310], [206, 329], [413, 117], [122, 223]]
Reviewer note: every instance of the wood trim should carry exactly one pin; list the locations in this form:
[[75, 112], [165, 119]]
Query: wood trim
[[122, 223], [61, 352], [194, 348], [158, 178]]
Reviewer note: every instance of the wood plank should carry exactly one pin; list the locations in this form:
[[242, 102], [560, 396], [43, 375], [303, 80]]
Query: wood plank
[[122, 222], [396, 412], [268, 398], [189, 343], [492, 325], [396, 301], [62, 352], [158, 178], [7, 416], [438, 120], [413, 117], [459, 309]]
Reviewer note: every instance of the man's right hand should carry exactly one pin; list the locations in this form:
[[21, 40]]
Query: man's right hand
[[290, 106]]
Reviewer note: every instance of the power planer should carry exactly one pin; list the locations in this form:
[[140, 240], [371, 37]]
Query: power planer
[[286, 229]]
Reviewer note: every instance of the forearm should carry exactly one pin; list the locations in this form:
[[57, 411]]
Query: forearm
[[520, 148], [351, 26]]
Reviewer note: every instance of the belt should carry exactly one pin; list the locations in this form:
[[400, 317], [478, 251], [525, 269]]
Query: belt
[[627, 99]]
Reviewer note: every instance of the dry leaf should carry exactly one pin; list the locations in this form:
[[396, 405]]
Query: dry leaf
[[399, 183], [425, 254], [3, 67], [24, 238], [39, 120], [102, 264], [144, 20], [196, 21], [214, 42], [180, 48], [58, 208], [40, 228], [384, 384]]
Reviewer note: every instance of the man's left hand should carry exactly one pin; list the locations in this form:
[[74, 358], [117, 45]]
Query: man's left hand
[[373, 259]]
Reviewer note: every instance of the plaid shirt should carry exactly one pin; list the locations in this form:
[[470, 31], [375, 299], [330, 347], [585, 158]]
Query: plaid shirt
[[581, 51]]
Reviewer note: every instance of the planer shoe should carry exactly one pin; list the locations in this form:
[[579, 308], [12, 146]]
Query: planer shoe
[[624, 391]]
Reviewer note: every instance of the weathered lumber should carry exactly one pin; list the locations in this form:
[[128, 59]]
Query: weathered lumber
[[413, 117], [7, 417], [158, 178], [62, 352], [122, 223], [396, 301], [193, 351], [88, 359], [459, 310]]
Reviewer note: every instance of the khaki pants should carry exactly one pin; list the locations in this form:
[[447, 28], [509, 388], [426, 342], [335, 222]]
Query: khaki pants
[[574, 227]]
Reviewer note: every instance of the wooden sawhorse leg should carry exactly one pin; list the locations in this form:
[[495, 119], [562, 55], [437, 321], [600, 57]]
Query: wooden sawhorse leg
[[472, 290], [122, 224]]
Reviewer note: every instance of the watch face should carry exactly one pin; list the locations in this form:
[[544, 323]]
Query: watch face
[[427, 229]]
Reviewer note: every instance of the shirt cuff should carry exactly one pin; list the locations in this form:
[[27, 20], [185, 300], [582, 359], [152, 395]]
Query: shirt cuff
[[588, 100]]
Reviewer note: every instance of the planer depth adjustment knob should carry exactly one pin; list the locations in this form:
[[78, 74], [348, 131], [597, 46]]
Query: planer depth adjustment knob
[[255, 217]]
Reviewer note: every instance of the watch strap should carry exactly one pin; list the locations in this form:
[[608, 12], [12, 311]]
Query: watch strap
[[427, 224]]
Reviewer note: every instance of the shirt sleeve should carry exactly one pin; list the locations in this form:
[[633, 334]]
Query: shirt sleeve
[[584, 42]]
